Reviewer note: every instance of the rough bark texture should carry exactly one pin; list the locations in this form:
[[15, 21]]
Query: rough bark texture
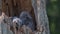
[[37, 8], [0, 6], [42, 17], [0, 15]]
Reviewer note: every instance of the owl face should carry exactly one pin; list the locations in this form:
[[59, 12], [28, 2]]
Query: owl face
[[18, 21]]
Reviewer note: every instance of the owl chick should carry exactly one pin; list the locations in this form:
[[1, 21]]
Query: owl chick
[[27, 20]]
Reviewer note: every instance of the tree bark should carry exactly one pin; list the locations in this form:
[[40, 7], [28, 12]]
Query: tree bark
[[39, 8], [41, 16]]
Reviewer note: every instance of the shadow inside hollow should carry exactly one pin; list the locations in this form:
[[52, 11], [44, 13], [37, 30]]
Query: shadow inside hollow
[[0, 13]]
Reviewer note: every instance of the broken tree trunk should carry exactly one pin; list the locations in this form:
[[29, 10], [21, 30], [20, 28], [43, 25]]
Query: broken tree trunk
[[38, 7]]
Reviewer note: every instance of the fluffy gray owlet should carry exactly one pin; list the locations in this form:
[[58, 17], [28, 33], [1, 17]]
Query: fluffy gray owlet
[[27, 20]]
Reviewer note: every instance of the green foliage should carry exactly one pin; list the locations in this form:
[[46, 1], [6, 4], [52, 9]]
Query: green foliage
[[53, 12]]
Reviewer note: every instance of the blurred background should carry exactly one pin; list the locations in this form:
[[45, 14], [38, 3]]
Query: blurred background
[[53, 12]]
